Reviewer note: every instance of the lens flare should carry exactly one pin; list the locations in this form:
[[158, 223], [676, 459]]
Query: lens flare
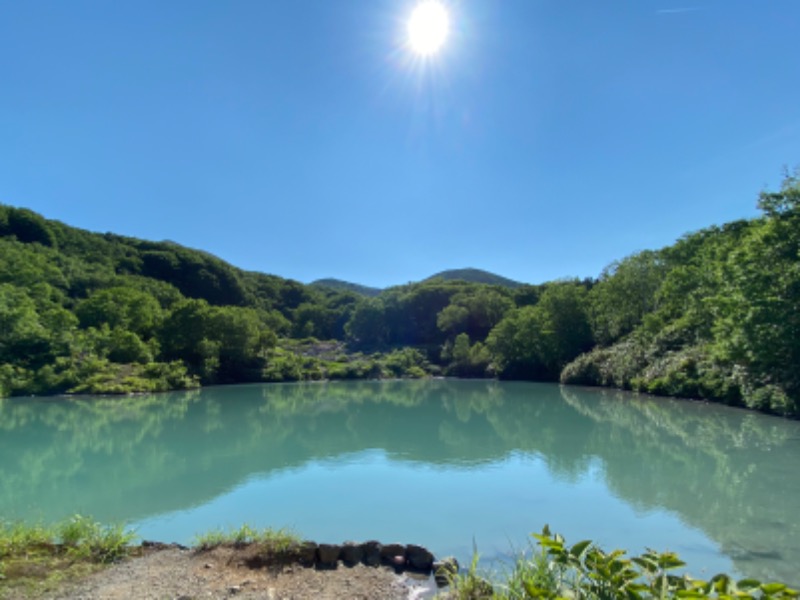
[[428, 27]]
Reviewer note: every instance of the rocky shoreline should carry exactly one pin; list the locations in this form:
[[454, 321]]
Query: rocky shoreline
[[304, 571], [400, 557]]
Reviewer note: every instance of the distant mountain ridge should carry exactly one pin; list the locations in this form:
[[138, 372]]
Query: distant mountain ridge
[[471, 275], [346, 286], [468, 274]]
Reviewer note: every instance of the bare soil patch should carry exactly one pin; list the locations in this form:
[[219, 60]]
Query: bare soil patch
[[228, 572]]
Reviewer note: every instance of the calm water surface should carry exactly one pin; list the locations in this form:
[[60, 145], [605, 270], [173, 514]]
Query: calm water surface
[[440, 463]]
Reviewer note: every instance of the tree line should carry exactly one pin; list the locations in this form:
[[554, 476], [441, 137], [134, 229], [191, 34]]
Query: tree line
[[713, 316]]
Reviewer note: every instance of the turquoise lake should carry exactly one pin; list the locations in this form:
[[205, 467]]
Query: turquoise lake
[[441, 463]]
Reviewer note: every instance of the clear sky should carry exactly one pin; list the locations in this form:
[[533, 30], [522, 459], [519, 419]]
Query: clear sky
[[303, 138]]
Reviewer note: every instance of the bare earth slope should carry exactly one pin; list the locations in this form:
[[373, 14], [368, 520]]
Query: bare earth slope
[[223, 572]]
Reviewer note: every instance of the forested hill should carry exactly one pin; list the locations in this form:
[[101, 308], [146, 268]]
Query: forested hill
[[714, 316], [468, 275], [475, 276], [340, 285]]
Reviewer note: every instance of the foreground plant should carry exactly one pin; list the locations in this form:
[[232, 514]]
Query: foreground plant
[[583, 571], [42, 556]]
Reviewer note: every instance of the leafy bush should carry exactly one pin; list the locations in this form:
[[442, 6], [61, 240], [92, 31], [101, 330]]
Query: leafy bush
[[583, 571]]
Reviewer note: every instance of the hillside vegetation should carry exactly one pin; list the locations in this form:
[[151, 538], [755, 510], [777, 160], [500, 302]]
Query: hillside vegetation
[[475, 276], [339, 285], [713, 316]]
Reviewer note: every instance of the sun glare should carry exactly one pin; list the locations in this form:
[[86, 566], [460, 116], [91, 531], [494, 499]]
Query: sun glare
[[428, 27]]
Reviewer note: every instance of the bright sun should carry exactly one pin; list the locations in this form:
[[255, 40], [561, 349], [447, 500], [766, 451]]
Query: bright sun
[[428, 27]]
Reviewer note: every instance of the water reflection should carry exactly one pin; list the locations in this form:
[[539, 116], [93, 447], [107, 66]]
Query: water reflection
[[726, 472], [731, 473]]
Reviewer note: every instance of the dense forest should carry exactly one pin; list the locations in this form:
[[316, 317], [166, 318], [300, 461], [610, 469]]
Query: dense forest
[[714, 316]]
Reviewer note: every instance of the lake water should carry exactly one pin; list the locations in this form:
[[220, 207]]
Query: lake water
[[441, 463]]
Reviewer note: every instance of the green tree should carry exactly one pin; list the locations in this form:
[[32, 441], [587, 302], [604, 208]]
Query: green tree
[[121, 307], [786, 200], [626, 292], [24, 341], [474, 311], [367, 325], [536, 342], [26, 225], [222, 344]]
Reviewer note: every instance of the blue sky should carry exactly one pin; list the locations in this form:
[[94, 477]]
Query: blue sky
[[302, 138]]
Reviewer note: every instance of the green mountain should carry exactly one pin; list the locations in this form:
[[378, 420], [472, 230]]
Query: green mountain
[[467, 275], [346, 286], [475, 276]]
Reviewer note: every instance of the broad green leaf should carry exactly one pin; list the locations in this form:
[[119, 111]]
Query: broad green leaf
[[670, 561], [721, 583], [748, 584], [578, 549], [632, 594], [645, 563], [536, 592]]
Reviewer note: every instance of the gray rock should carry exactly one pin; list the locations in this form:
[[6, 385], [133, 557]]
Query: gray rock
[[372, 553], [328, 554], [419, 558], [352, 553], [307, 553], [390, 553]]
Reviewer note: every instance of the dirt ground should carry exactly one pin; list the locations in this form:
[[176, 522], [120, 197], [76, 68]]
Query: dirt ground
[[225, 572]]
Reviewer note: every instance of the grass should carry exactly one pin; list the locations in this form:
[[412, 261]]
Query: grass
[[534, 572], [468, 585], [38, 558], [276, 540]]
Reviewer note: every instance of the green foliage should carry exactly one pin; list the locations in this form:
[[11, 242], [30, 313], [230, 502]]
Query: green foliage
[[26, 226], [286, 365], [529, 572], [584, 571], [104, 377], [36, 559], [367, 325], [474, 312], [406, 362], [323, 318], [24, 340], [536, 342], [425, 314], [339, 285], [79, 537], [195, 274], [714, 316], [87, 539], [723, 322], [275, 540], [219, 343], [786, 200], [121, 307], [625, 293], [311, 360], [469, 585], [474, 276], [465, 359]]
